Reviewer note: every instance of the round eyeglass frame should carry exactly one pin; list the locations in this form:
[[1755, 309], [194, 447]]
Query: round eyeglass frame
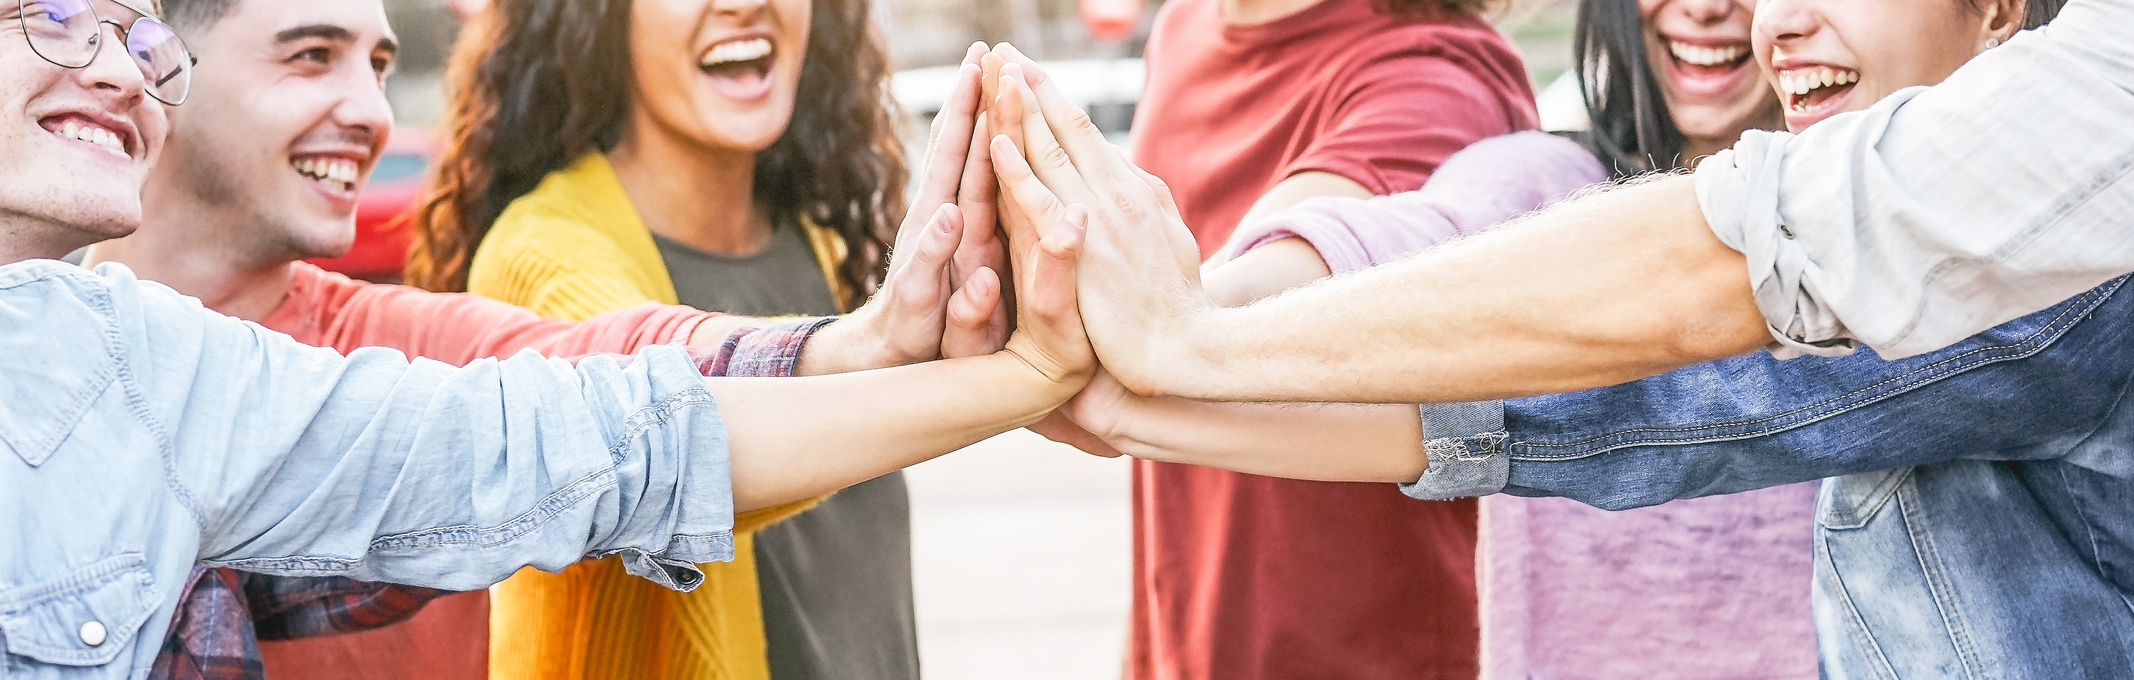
[[151, 85]]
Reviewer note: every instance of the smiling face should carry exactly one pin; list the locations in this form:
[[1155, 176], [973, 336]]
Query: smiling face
[[1827, 57], [282, 132], [717, 74], [1699, 50], [73, 142]]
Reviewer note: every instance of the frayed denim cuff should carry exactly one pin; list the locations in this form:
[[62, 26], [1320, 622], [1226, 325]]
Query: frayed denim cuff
[[1465, 446]]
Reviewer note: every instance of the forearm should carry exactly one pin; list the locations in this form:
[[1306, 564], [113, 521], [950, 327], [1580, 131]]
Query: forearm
[[1324, 442], [793, 438], [1598, 291]]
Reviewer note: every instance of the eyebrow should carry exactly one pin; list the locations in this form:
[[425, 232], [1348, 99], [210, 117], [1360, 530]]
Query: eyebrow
[[331, 32]]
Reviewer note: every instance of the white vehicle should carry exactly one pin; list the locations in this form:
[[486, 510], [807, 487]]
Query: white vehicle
[[1107, 88]]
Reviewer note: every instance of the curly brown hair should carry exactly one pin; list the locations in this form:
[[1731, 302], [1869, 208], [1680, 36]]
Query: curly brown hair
[[539, 83]]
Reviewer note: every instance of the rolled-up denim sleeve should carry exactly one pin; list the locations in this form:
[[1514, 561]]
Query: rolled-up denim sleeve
[[1943, 211], [297, 461], [2029, 389]]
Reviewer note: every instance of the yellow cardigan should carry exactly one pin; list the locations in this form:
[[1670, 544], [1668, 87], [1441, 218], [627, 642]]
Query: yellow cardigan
[[574, 248]]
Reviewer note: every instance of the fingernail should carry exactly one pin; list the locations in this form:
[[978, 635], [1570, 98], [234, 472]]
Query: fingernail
[[941, 217]]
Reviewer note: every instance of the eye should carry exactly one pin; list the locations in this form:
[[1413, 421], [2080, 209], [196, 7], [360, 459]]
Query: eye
[[318, 55]]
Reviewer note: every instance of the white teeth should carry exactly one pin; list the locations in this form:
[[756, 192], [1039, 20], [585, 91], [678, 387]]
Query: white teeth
[[746, 50], [94, 135], [340, 172], [1706, 56], [1800, 82]]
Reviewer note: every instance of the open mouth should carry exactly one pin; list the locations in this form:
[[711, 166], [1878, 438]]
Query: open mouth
[[333, 173], [1809, 90], [1705, 68], [741, 68], [83, 129]]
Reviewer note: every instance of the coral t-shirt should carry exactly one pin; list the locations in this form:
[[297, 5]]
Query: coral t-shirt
[[1242, 577]]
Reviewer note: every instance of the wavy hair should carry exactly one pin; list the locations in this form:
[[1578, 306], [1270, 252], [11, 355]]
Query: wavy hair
[[539, 83]]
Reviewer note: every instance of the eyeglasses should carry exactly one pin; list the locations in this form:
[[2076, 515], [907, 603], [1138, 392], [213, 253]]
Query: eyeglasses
[[69, 34]]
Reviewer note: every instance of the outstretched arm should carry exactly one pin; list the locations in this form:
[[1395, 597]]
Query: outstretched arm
[[1598, 291]]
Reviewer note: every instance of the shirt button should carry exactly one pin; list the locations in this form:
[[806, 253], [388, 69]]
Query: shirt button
[[93, 633], [1785, 231]]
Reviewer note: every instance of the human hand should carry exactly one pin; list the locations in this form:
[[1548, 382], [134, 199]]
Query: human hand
[[1141, 280], [1044, 243], [947, 238]]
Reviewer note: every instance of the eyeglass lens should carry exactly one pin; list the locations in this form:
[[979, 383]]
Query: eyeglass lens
[[68, 33]]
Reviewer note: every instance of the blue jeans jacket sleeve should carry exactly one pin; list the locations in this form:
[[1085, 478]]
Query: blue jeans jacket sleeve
[[298, 461], [2029, 389]]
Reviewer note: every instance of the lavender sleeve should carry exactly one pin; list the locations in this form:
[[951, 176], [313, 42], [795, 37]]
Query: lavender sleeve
[[1486, 184]]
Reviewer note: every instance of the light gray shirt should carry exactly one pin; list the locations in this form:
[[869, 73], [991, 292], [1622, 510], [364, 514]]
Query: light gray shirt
[[1947, 210], [141, 434]]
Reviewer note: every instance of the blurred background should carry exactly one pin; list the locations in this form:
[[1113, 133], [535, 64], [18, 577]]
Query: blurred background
[[1020, 545]]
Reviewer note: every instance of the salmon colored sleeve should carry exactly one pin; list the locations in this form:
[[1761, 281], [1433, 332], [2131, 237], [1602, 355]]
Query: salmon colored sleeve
[[331, 310]]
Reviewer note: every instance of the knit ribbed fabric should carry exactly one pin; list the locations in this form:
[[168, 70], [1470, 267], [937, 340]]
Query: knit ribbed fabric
[[575, 248]]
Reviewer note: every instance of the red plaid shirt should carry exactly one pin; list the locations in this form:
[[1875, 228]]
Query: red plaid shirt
[[223, 613]]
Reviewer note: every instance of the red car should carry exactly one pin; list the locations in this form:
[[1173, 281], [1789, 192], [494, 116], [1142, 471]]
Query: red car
[[385, 209]]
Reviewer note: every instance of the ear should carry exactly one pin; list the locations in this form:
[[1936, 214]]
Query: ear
[[2002, 19]]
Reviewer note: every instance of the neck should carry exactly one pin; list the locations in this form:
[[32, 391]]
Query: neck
[[1694, 148], [699, 196], [1256, 12], [198, 263]]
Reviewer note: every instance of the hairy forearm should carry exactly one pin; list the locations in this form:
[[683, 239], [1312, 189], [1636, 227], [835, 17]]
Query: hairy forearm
[[1324, 442], [1594, 292], [795, 438]]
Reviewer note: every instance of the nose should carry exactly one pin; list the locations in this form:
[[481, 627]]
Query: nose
[[744, 9], [1708, 12], [366, 109], [113, 74], [1782, 21]]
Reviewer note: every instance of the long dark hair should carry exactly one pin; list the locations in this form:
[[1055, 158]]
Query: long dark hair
[[1630, 129], [539, 83]]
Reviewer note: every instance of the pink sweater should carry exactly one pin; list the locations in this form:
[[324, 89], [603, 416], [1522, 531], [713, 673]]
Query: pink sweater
[[1706, 589]]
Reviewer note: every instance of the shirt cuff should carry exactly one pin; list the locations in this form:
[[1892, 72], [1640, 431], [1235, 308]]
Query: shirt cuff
[[762, 352], [1737, 189], [1465, 446]]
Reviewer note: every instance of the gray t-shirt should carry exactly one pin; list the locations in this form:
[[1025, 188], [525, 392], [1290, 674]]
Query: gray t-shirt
[[835, 580]]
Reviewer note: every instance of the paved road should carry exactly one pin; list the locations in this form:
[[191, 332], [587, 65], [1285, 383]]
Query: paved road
[[1020, 551]]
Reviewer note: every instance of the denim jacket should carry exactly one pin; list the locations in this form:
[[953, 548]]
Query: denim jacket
[[1979, 517], [141, 434]]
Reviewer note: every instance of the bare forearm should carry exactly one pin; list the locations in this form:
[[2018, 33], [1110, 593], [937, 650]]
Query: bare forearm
[[1594, 292], [795, 438], [1324, 442]]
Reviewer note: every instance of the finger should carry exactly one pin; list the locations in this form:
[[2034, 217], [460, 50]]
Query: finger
[[1052, 275], [1040, 148], [1058, 427], [916, 273], [1084, 143], [970, 313], [1026, 194], [950, 138]]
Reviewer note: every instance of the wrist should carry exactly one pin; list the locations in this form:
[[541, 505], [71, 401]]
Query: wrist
[[834, 348]]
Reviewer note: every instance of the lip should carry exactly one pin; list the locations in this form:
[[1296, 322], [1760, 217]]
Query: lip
[[1700, 80], [747, 89], [1836, 104], [129, 136]]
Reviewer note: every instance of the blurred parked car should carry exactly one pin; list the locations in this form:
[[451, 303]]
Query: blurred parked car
[[1107, 88], [382, 213]]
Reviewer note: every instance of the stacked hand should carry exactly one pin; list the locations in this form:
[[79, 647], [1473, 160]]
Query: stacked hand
[[1008, 130]]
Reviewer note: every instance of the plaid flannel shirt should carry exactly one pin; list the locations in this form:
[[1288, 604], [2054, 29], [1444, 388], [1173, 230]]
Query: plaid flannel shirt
[[223, 613]]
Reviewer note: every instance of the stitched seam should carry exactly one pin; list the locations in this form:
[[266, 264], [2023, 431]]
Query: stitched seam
[[93, 575], [2026, 347], [1857, 627], [554, 504], [656, 415], [1936, 577]]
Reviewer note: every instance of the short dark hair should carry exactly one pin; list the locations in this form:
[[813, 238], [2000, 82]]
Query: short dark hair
[[195, 15]]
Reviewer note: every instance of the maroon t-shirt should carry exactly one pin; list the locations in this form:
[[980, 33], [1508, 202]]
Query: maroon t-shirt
[[1241, 577]]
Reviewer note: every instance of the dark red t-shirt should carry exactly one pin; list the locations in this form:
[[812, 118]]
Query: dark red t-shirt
[[1241, 577]]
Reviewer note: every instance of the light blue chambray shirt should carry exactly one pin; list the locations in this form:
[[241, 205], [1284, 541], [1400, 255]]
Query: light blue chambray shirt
[[1943, 211], [141, 434]]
